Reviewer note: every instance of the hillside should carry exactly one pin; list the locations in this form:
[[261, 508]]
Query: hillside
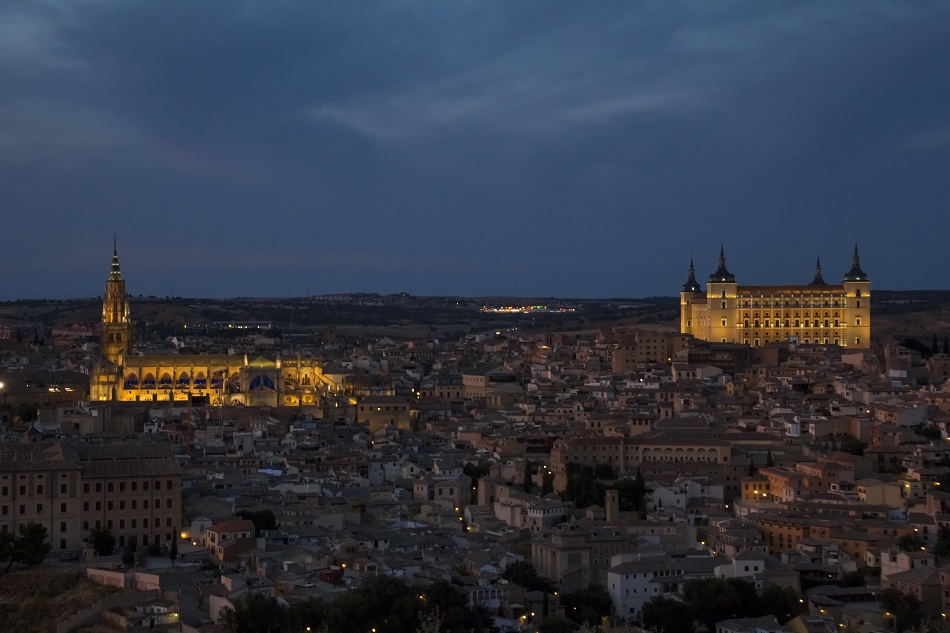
[[37, 599]]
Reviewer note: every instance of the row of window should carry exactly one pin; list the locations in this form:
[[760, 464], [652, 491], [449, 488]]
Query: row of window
[[132, 504], [38, 490], [133, 486], [133, 524], [788, 323], [745, 304], [806, 340], [796, 303], [777, 315], [169, 503]]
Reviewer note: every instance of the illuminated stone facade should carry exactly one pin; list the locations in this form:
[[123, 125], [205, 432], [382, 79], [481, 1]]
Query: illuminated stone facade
[[816, 313], [123, 375]]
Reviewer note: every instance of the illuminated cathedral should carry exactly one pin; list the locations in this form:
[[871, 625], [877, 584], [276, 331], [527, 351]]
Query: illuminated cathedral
[[813, 313], [213, 379]]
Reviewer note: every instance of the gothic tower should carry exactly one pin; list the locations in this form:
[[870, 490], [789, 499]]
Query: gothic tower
[[115, 333]]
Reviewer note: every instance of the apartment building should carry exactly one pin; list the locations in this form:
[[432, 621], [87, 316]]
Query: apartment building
[[131, 489]]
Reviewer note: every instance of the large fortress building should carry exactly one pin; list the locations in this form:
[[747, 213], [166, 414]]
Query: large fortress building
[[228, 379], [816, 313]]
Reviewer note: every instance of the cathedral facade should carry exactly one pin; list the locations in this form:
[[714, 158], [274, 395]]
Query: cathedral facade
[[814, 313], [222, 379]]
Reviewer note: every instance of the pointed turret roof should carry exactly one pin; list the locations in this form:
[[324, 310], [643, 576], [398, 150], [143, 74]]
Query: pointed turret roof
[[722, 275], [691, 284], [818, 281], [856, 274], [115, 274]]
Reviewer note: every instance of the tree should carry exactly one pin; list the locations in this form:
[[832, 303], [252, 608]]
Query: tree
[[667, 615], [27, 413], [141, 555], [582, 486], [946, 345], [29, 548], [554, 624], [854, 578], [904, 609], [941, 548], [782, 602], [853, 446], [715, 599], [431, 622], [255, 613], [263, 520], [451, 605], [173, 551], [523, 573], [475, 472], [526, 485], [589, 605], [102, 540], [382, 603], [910, 543], [128, 553], [309, 613], [547, 483], [769, 460], [751, 470], [632, 493]]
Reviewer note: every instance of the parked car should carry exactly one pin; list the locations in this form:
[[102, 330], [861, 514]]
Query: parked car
[[68, 557]]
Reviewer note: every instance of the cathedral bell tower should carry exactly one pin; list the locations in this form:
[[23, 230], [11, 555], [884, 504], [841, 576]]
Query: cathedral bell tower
[[115, 332]]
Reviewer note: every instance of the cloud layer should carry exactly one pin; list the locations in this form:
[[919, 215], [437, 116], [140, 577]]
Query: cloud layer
[[471, 147]]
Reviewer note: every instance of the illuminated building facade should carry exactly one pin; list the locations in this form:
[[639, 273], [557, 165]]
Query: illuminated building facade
[[226, 379], [816, 313]]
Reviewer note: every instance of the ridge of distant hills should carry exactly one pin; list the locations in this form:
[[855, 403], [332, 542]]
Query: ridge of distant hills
[[896, 314]]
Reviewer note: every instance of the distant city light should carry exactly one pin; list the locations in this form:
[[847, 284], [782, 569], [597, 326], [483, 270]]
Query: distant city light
[[527, 309]]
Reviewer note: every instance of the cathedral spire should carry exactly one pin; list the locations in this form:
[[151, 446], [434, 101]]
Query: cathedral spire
[[818, 281], [855, 274], [115, 274]]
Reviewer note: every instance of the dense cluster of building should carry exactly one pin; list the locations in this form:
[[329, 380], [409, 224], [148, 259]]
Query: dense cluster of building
[[782, 461]]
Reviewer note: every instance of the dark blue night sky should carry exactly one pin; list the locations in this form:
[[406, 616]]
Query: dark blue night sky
[[533, 148]]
